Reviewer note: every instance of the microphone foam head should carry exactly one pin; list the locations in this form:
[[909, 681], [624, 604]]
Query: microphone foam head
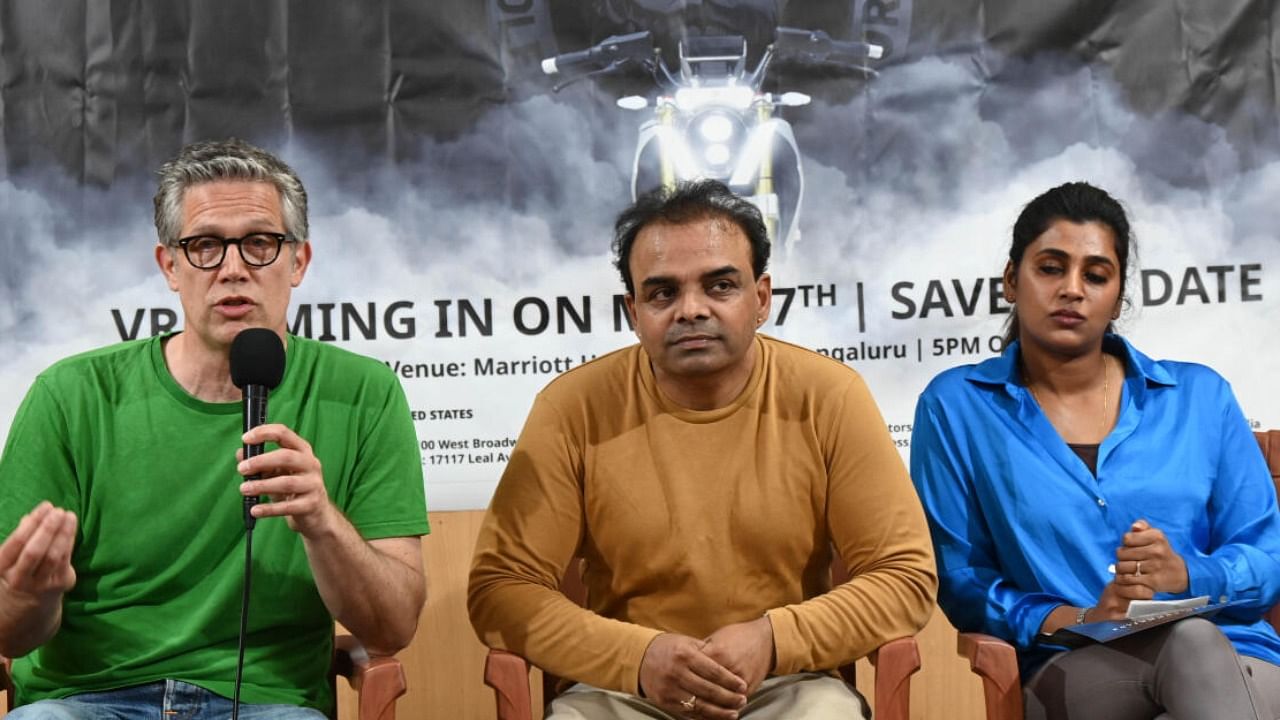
[[257, 358]]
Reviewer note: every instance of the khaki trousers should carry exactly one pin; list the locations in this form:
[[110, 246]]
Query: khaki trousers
[[803, 696]]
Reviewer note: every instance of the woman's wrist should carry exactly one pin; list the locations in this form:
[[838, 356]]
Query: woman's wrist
[[1082, 615], [1061, 616]]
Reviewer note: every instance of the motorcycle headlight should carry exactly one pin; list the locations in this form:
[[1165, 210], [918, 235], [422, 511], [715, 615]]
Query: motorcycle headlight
[[715, 128], [716, 154]]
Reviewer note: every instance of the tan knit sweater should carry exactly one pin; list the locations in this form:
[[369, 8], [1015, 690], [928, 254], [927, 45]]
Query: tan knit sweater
[[692, 520]]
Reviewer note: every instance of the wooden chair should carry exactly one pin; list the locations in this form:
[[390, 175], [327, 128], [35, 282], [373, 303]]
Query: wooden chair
[[995, 661], [895, 662], [378, 682]]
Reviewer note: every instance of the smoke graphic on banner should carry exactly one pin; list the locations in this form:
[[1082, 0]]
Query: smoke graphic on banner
[[481, 271]]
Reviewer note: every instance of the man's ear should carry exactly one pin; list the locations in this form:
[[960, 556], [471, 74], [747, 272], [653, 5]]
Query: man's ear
[[630, 301], [166, 259], [301, 261], [764, 295]]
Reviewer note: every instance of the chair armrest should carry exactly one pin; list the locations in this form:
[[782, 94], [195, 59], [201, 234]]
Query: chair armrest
[[996, 662], [895, 662], [508, 675], [377, 681]]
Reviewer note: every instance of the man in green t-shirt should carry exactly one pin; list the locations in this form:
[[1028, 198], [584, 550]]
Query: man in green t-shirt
[[121, 480]]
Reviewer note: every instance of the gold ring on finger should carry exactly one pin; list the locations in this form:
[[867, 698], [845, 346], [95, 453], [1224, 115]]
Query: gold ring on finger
[[689, 704]]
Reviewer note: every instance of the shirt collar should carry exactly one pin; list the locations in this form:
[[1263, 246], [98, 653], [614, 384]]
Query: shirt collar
[[1003, 370]]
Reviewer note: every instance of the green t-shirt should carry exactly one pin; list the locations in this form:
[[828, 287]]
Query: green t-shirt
[[150, 472]]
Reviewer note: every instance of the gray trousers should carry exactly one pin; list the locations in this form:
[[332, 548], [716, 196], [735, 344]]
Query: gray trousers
[[1186, 670], [803, 696]]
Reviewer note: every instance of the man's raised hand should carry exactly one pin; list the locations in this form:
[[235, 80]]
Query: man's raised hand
[[35, 560]]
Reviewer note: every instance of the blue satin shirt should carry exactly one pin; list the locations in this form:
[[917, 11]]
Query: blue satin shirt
[[1020, 525]]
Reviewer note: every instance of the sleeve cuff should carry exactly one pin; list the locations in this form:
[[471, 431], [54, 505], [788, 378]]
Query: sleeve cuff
[[1028, 620], [1206, 576], [638, 643], [787, 657]]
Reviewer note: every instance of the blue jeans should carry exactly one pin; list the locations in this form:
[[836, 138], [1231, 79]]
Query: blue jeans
[[167, 699]]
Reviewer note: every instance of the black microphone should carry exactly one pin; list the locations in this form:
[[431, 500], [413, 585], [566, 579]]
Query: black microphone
[[257, 365]]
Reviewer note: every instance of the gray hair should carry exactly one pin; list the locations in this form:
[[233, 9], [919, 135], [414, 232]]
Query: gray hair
[[231, 159]]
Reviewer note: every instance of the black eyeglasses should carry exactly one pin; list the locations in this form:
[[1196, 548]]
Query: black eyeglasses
[[256, 249]]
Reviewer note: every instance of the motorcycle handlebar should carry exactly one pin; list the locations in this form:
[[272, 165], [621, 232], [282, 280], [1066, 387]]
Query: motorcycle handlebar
[[553, 65], [611, 50], [816, 46]]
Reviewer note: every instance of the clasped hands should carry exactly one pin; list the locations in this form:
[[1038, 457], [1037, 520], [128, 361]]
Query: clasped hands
[[1145, 565], [709, 678]]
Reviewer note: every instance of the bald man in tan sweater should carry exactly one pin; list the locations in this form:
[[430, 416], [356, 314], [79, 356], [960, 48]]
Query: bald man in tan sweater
[[705, 475]]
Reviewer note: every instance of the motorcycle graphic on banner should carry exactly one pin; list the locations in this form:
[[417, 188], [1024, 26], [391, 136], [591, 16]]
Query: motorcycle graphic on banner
[[711, 117]]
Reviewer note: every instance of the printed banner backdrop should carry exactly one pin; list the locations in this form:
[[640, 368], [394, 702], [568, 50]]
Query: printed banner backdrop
[[462, 208]]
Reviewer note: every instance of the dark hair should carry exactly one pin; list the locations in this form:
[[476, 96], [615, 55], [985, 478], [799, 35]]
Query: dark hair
[[686, 202], [1078, 202]]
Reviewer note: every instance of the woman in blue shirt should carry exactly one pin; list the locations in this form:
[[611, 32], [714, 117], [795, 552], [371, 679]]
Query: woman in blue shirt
[[1073, 474]]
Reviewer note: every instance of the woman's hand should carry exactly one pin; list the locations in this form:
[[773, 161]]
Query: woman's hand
[[1113, 603], [1147, 560]]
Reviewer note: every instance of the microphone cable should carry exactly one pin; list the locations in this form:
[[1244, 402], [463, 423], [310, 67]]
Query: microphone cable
[[244, 608]]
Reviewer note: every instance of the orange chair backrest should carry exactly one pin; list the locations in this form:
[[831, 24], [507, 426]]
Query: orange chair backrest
[[1269, 441]]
